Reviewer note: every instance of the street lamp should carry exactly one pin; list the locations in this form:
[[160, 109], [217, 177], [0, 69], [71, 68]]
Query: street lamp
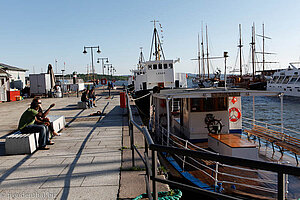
[[108, 67], [92, 56], [62, 85], [98, 61]]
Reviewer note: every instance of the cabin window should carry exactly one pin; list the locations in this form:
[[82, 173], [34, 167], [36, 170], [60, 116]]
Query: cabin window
[[275, 79], [171, 65], [293, 80], [165, 66], [280, 79], [155, 66], [286, 80], [159, 66], [208, 104], [149, 66]]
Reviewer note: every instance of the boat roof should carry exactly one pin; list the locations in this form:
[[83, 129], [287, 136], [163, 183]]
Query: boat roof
[[157, 61], [210, 92]]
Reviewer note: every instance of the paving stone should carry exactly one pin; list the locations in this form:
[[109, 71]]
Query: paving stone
[[24, 182], [90, 193]]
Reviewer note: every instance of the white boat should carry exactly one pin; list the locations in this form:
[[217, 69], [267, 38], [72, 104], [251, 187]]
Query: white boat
[[210, 120], [286, 81], [155, 74]]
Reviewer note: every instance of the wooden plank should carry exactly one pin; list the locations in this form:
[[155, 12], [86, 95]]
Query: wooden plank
[[233, 140]]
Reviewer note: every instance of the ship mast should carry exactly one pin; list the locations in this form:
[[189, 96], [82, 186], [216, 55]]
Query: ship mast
[[202, 46], [240, 50], [253, 51], [158, 51], [199, 57], [207, 53], [263, 49], [141, 58]]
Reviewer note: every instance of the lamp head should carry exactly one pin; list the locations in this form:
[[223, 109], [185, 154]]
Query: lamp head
[[98, 50], [84, 51]]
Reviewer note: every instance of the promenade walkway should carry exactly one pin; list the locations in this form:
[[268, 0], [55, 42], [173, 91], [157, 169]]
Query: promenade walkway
[[85, 161]]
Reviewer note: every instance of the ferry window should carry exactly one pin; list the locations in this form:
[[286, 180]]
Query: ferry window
[[159, 66], [286, 80], [280, 79], [155, 66], [149, 66], [171, 65], [165, 66], [275, 78], [298, 81], [208, 104], [293, 80]]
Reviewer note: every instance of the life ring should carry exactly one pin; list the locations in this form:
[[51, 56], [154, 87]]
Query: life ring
[[234, 114]]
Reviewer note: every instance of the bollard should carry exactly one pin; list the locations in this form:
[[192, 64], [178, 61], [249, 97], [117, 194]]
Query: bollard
[[122, 100]]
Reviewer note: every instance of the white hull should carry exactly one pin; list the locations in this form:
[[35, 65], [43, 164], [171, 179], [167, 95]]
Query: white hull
[[286, 81]]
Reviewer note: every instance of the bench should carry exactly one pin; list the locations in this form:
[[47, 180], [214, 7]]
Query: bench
[[18, 143], [82, 105], [283, 141], [58, 122]]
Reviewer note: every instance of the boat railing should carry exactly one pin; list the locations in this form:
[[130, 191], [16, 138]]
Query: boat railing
[[249, 123], [151, 165], [212, 167]]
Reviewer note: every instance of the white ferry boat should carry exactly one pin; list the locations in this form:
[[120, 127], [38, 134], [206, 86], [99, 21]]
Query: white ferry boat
[[286, 81], [153, 75]]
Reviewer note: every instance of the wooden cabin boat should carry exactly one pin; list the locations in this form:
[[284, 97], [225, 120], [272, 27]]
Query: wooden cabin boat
[[210, 120]]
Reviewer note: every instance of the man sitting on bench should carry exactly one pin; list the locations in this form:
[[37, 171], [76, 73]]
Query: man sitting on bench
[[26, 125]]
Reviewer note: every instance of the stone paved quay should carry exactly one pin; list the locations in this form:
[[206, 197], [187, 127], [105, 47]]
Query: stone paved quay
[[84, 163]]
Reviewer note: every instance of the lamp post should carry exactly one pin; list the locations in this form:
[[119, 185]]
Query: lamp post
[[92, 56], [108, 67], [102, 59], [62, 85]]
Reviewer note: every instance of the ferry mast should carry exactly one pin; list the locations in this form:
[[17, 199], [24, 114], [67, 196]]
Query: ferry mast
[[156, 44]]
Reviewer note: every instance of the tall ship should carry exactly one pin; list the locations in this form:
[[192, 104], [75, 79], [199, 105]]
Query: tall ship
[[155, 74], [286, 81]]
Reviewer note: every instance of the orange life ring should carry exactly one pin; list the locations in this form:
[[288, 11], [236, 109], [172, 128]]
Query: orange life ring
[[234, 114]]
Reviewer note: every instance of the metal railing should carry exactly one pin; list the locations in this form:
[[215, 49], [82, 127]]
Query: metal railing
[[151, 167], [214, 167]]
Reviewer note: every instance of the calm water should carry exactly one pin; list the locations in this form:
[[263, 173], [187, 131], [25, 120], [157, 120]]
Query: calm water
[[268, 110]]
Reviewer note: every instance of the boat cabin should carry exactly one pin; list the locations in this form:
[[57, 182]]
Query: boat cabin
[[154, 73], [201, 111], [210, 115]]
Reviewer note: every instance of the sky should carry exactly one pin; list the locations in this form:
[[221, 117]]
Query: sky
[[35, 33]]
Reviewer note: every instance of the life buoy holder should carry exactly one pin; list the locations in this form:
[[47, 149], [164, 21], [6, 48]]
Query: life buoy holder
[[234, 114]]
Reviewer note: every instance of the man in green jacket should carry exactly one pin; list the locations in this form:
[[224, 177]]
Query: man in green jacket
[[26, 125]]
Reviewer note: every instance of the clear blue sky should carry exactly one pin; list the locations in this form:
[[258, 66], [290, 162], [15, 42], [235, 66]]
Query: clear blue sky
[[34, 33]]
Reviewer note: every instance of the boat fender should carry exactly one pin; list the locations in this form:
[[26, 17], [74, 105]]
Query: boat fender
[[220, 189], [233, 187]]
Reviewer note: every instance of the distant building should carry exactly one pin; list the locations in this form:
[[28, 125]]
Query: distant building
[[16, 76]]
